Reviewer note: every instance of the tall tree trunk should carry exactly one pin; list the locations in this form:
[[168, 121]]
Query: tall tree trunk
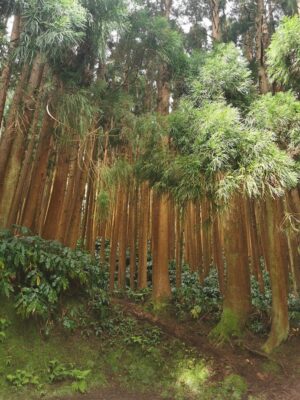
[[218, 251], [237, 304], [132, 232], [80, 184], [17, 146], [161, 284], [261, 44], [114, 239], [8, 135], [253, 240], [123, 242], [215, 20], [143, 235], [39, 173], [279, 276], [179, 245], [206, 237], [6, 72], [68, 193], [57, 196]]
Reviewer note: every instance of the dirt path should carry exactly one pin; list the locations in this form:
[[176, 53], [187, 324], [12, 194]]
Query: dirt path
[[273, 378], [276, 377]]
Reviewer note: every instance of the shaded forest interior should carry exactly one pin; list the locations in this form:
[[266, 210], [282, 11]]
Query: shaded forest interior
[[150, 150]]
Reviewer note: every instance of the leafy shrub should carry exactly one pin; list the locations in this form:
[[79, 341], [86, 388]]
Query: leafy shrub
[[195, 298], [39, 272], [148, 340], [23, 378], [59, 372], [262, 304], [139, 296], [4, 324]]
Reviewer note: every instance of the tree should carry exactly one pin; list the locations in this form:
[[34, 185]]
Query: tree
[[283, 54]]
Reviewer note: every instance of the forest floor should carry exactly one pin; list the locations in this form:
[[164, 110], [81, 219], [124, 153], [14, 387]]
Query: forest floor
[[274, 377], [146, 356]]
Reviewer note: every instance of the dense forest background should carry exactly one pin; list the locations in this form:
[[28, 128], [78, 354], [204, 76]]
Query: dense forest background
[[165, 135]]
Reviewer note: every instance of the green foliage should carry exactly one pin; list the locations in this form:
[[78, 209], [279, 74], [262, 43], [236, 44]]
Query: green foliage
[[195, 299], [23, 378], [192, 375], [233, 387], [39, 273], [223, 74], [104, 202], [284, 53], [279, 114], [150, 338], [226, 156], [261, 301], [262, 304], [58, 372], [4, 324], [75, 113], [138, 296], [51, 27]]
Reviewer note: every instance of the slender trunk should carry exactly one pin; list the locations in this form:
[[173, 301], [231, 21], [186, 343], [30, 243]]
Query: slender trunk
[[253, 240], [6, 72], [206, 237], [171, 230], [81, 181], [114, 240], [68, 193], [143, 235], [132, 233], [161, 282], [179, 245], [17, 145], [26, 170], [215, 20], [261, 44], [218, 252], [9, 133], [123, 242], [279, 276], [43, 199], [237, 303], [90, 229], [39, 173], [57, 196], [293, 243]]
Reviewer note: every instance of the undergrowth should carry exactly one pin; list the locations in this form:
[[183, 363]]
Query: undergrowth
[[126, 353]]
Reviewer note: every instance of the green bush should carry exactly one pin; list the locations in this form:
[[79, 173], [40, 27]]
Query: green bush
[[262, 305], [40, 272], [196, 299]]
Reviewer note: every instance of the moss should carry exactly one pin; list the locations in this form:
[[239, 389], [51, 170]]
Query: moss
[[235, 386], [152, 365], [25, 348], [228, 327], [160, 307], [271, 367]]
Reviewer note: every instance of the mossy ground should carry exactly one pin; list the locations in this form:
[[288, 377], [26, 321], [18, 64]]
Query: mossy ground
[[139, 358], [229, 327]]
